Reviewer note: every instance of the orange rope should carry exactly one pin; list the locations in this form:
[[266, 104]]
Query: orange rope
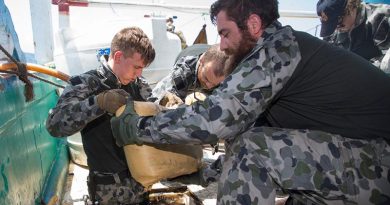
[[37, 68]]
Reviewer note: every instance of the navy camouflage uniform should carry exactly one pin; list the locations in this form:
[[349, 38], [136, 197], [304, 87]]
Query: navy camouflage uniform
[[183, 78], [183, 81], [297, 115], [370, 36], [77, 110]]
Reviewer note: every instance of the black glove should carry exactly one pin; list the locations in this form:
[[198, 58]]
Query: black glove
[[194, 178], [124, 127], [111, 100]]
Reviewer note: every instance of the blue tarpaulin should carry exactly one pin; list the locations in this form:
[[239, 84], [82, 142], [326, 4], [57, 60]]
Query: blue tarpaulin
[[378, 1]]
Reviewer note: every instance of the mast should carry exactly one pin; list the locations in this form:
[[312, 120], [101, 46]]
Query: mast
[[42, 28]]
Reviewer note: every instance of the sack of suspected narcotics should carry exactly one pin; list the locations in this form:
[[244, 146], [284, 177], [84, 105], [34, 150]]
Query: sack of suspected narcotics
[[150, 163]]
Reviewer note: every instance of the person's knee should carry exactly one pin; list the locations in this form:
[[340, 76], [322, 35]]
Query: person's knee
[[385, 64]]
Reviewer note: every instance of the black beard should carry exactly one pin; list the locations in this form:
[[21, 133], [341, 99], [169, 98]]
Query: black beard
[[246, 44]]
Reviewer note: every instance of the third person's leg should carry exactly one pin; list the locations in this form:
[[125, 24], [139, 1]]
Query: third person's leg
[[313, 166]]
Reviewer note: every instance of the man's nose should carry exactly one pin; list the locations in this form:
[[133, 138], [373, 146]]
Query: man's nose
[[138, 73], [223, 45]]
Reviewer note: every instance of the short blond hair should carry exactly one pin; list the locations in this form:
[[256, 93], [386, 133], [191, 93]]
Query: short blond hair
[[132, 40], [215, 54], [351, 5]]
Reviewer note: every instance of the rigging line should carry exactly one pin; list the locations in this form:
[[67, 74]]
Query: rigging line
[[22, 74], [46, 81], [9, 72], [314, 27], [8, 55], [113, 10], [33, 76]]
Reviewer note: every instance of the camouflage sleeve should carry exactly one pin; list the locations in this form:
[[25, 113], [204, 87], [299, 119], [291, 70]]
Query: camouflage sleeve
[[380, 22], [161, 88], [144, 88], [178, 81], [236, 104], [75, 108]]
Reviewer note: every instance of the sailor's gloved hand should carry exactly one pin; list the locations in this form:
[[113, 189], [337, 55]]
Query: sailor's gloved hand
[[111, 100], [194, 178], [124, 126], [170, 100], [193, 97]]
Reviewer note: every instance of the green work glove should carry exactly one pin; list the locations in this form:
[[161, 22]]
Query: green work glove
[[111, 100], [124, 126]]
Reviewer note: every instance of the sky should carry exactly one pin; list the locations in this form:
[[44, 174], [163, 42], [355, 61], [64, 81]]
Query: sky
[[305, 5], [307, 25]]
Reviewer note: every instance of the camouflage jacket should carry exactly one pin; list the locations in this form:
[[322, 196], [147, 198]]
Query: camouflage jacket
[[77, 104], [181, 81], [290, 80], [237, 102], [370, 36]]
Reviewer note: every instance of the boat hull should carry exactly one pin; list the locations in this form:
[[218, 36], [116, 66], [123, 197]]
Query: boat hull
[[30, 159]]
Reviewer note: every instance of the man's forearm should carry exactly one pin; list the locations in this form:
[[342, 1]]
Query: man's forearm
[[71, 117]]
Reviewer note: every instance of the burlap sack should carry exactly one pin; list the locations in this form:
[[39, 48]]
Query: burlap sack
[[149, 163]]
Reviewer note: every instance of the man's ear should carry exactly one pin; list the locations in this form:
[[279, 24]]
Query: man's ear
[[254, 25], [117, 56], [201, 60]]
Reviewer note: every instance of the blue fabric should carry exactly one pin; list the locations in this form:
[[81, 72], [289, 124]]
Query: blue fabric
[[330, 12], [378, 1], [7, 26]]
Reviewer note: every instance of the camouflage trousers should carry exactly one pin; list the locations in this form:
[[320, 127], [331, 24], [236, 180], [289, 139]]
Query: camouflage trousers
[[212, 172], [123, 192], [313, 167]]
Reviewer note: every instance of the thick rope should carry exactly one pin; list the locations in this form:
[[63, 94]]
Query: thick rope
[[7, 54], [33, 76], [23, 76], [28, 88]]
